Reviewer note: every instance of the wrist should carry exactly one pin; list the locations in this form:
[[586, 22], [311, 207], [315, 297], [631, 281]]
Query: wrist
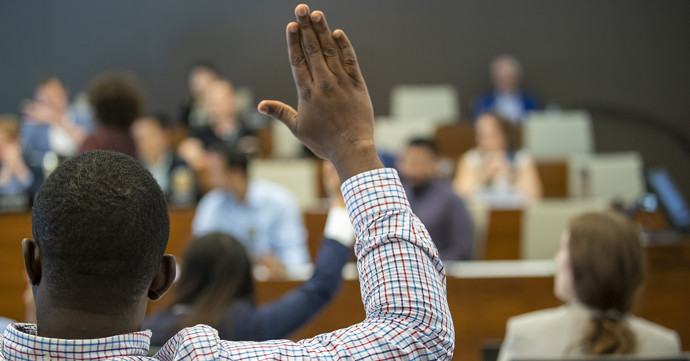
[[358, 158]]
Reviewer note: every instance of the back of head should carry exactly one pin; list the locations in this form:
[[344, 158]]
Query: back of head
[[607, 264], [101, 224], [216, 271], [116, 99]]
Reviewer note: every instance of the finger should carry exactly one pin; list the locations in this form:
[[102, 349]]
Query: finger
[[280, 111], [300, 69], [347, 55], [310, 43], [328, 46]]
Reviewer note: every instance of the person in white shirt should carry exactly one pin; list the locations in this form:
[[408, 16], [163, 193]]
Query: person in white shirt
[[599, 273], [496, 171]]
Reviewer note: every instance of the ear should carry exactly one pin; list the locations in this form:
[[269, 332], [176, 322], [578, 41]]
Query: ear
[[32, 261], [164, 278]]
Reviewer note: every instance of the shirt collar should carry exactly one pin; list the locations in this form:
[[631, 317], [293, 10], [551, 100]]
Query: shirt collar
[[19, 342]]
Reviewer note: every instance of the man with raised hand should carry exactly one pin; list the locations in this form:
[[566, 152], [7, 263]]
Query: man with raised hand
[[100, 226]]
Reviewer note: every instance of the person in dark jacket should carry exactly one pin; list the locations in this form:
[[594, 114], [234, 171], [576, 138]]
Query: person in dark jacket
[[507, 97]]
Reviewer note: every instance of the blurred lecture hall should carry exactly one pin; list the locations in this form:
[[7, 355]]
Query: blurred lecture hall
[[512, 182]]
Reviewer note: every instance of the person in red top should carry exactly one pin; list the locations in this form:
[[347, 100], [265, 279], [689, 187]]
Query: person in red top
[[117, 102]]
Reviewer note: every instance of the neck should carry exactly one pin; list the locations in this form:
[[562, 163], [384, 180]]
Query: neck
[[72, 323], [239, 188], [157, 158], [76, 324]]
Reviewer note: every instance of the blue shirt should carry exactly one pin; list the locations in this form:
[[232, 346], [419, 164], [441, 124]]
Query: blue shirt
[[267, 222]]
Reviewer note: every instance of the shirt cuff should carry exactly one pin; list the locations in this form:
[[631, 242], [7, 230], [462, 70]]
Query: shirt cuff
[[338, 227], [372, 192]]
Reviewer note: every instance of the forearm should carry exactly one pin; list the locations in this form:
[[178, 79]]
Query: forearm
[[401, 275]]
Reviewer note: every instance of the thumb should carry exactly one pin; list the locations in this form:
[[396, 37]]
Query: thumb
[[280, 111]]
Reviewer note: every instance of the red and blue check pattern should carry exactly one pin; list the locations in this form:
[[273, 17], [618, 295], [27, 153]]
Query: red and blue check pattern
[[403, 289]]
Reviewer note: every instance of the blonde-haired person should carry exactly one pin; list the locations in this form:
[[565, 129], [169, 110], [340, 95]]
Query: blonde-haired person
[[495, 171], [599, 272]]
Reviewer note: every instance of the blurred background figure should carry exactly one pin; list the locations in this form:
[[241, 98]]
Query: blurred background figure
[[216, 286], [153, 149], [443, 213], [117, 101], [200, 77], [506, 98], [495, 171], [225, 125], [263, 216], [15, 175], [53, 127], [600, 269]]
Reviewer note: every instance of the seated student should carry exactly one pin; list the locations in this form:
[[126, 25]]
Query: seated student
[[175, 177], [52, 124], [117, 101], [226, 126], [15, 175], [200, 77], [262, 215], [216, 287], [443, 213], [101, 225], [599, 272], [506, 98], [494, 171]]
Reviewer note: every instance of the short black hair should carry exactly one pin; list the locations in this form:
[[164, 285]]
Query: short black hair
[[101, 224], [234, 158], [424, 143], [116, 99]]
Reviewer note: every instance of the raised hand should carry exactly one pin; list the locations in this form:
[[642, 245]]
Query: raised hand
[[40, 113], [334, 116]]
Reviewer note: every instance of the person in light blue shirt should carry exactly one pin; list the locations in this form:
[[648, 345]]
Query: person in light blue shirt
[[262, 215], [52, 124]]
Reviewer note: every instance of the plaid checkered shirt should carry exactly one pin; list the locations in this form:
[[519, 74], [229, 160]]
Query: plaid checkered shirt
[[403, 288]]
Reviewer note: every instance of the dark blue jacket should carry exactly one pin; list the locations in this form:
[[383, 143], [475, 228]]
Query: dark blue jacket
[[486, 103]]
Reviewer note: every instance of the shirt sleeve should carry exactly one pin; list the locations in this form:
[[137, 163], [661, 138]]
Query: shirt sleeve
[[403, 288]]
